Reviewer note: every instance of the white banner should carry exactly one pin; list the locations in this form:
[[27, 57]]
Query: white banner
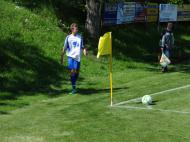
[[125, 12], [128, 12], [168, 12]]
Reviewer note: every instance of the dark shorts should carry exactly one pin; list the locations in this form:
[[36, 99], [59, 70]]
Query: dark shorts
[[73, 64]]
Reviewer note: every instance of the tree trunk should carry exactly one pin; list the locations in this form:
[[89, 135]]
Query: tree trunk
[[93, 19]]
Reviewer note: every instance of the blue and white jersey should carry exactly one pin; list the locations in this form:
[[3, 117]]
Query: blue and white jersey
[[73, 45]]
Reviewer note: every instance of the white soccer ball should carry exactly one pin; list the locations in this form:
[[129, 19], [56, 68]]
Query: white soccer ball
[[147, 100]]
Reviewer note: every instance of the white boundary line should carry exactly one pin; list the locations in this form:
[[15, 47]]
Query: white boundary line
[[150, 108], [162, 92]]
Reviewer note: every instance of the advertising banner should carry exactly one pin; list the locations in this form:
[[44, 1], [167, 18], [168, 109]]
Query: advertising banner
[[110, 14], [183, 13], [168, 12], [120, 13], [139, 12], [152, 12], [126, 12]]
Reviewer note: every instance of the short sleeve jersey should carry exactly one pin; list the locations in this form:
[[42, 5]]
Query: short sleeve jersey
[[73, 45]]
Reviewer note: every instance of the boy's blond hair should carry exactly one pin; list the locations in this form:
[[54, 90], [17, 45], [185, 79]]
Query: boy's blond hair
[[73, 25]]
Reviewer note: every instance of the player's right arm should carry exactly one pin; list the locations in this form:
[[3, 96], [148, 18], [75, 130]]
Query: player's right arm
[[62, 55], [64, 49]]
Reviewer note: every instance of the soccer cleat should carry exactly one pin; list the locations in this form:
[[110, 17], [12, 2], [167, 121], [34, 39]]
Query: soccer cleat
[[74, 91]]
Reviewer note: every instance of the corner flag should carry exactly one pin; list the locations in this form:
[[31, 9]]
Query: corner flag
[[105, 48]]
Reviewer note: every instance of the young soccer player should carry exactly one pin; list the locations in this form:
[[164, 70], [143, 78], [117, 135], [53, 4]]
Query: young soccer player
[[167, 42], [73, 47]]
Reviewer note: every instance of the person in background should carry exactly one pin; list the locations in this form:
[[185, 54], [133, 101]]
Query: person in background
[[167, 42], [73, 47]]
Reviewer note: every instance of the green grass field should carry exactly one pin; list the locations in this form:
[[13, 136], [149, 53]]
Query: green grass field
[[34, 101]]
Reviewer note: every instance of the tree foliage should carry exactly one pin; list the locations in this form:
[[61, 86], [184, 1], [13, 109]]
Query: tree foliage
[[176, 1]]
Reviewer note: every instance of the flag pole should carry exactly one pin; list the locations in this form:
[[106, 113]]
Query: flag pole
[[111, 79]]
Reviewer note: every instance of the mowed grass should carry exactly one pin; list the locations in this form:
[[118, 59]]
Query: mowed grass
[[34, 101]]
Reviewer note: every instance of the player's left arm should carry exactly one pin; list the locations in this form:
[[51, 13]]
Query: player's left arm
[[173, 40], [85, 52]]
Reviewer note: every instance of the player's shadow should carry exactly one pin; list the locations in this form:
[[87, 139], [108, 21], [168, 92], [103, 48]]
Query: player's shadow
[[25, 69], [93, 91]]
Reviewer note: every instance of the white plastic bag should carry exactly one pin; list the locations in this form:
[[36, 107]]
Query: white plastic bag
[[164, 60]]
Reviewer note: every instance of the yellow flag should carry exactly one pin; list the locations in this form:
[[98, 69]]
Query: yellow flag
[[104, 46]]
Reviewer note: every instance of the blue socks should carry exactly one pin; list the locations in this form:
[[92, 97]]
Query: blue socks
[[73, 81], [74, 78]]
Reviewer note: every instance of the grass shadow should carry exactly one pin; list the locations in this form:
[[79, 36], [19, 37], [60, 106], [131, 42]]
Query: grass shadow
[[26, 68], [91, 91], [3, 113]]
